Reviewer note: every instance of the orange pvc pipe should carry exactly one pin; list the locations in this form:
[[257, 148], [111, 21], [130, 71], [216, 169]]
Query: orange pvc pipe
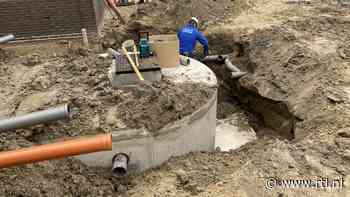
[[56, 150]]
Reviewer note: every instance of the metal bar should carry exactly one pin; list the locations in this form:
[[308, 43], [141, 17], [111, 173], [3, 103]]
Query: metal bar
[[27, 120]]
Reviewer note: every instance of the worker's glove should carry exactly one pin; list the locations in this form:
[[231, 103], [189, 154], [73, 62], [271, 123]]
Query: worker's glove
[[206, 52]]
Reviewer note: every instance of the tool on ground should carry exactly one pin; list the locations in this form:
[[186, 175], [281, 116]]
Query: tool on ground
[[40, 117], [56, 150], [136, 56], [131, 44], [7, 38]]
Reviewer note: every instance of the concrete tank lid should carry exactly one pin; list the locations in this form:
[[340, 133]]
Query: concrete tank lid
[[195, 72]]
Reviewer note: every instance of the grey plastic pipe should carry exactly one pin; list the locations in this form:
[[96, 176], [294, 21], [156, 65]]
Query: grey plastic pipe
[[27, 120], [235, 71], [219, 58], [231, 67], [6, 39], [120, 164], [235, 75]]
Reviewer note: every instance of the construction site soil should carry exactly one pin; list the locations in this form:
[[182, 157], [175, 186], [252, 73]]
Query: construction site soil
[[297, 59]]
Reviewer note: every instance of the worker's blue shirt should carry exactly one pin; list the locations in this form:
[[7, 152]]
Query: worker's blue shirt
[[188, 36]]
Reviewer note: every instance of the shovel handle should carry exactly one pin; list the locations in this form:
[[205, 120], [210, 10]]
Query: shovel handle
[[133, 64]]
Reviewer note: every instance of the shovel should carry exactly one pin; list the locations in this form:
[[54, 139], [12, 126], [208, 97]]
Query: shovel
[[128, 44]]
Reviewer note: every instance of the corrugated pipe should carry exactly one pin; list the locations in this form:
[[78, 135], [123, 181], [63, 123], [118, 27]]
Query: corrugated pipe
[[120, 164], [56, 150], [23, 121], [7, 38]]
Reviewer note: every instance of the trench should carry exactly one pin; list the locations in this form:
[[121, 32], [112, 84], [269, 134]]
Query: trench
[[265, 116]]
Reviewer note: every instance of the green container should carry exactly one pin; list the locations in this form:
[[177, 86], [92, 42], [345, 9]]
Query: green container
[[145, 51]]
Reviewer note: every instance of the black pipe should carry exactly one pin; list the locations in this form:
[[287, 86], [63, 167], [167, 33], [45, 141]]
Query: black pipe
[[120, 164]]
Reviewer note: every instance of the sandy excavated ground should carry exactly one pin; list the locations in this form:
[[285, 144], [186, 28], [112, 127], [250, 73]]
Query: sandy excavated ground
[[296, 53], [296, 56], [49, 74]]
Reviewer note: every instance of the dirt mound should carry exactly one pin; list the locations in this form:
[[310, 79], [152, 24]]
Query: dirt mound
[[298, 80], [169, 103], [79, 77], [6, 55], [168, 16], [56, 178]]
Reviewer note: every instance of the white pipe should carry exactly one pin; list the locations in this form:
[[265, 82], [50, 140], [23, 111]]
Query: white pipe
[[219, 58], [231, 67], [85, 38], [6, 39], [236, 75]]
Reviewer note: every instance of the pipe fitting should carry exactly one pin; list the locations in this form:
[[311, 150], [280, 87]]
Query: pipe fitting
[[120, 164], [40, 117], [231, 66], [7, 38], [236, 75], [219, 58]]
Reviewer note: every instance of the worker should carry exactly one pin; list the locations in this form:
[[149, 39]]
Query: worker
[[189, 35]]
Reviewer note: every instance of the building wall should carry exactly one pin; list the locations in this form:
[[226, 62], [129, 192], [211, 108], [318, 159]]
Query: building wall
[[26, 18]]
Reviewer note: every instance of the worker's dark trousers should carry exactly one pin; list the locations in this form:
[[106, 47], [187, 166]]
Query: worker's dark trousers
[[187, 54]]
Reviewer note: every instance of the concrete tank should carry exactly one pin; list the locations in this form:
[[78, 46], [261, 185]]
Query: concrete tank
[[195, 132]]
